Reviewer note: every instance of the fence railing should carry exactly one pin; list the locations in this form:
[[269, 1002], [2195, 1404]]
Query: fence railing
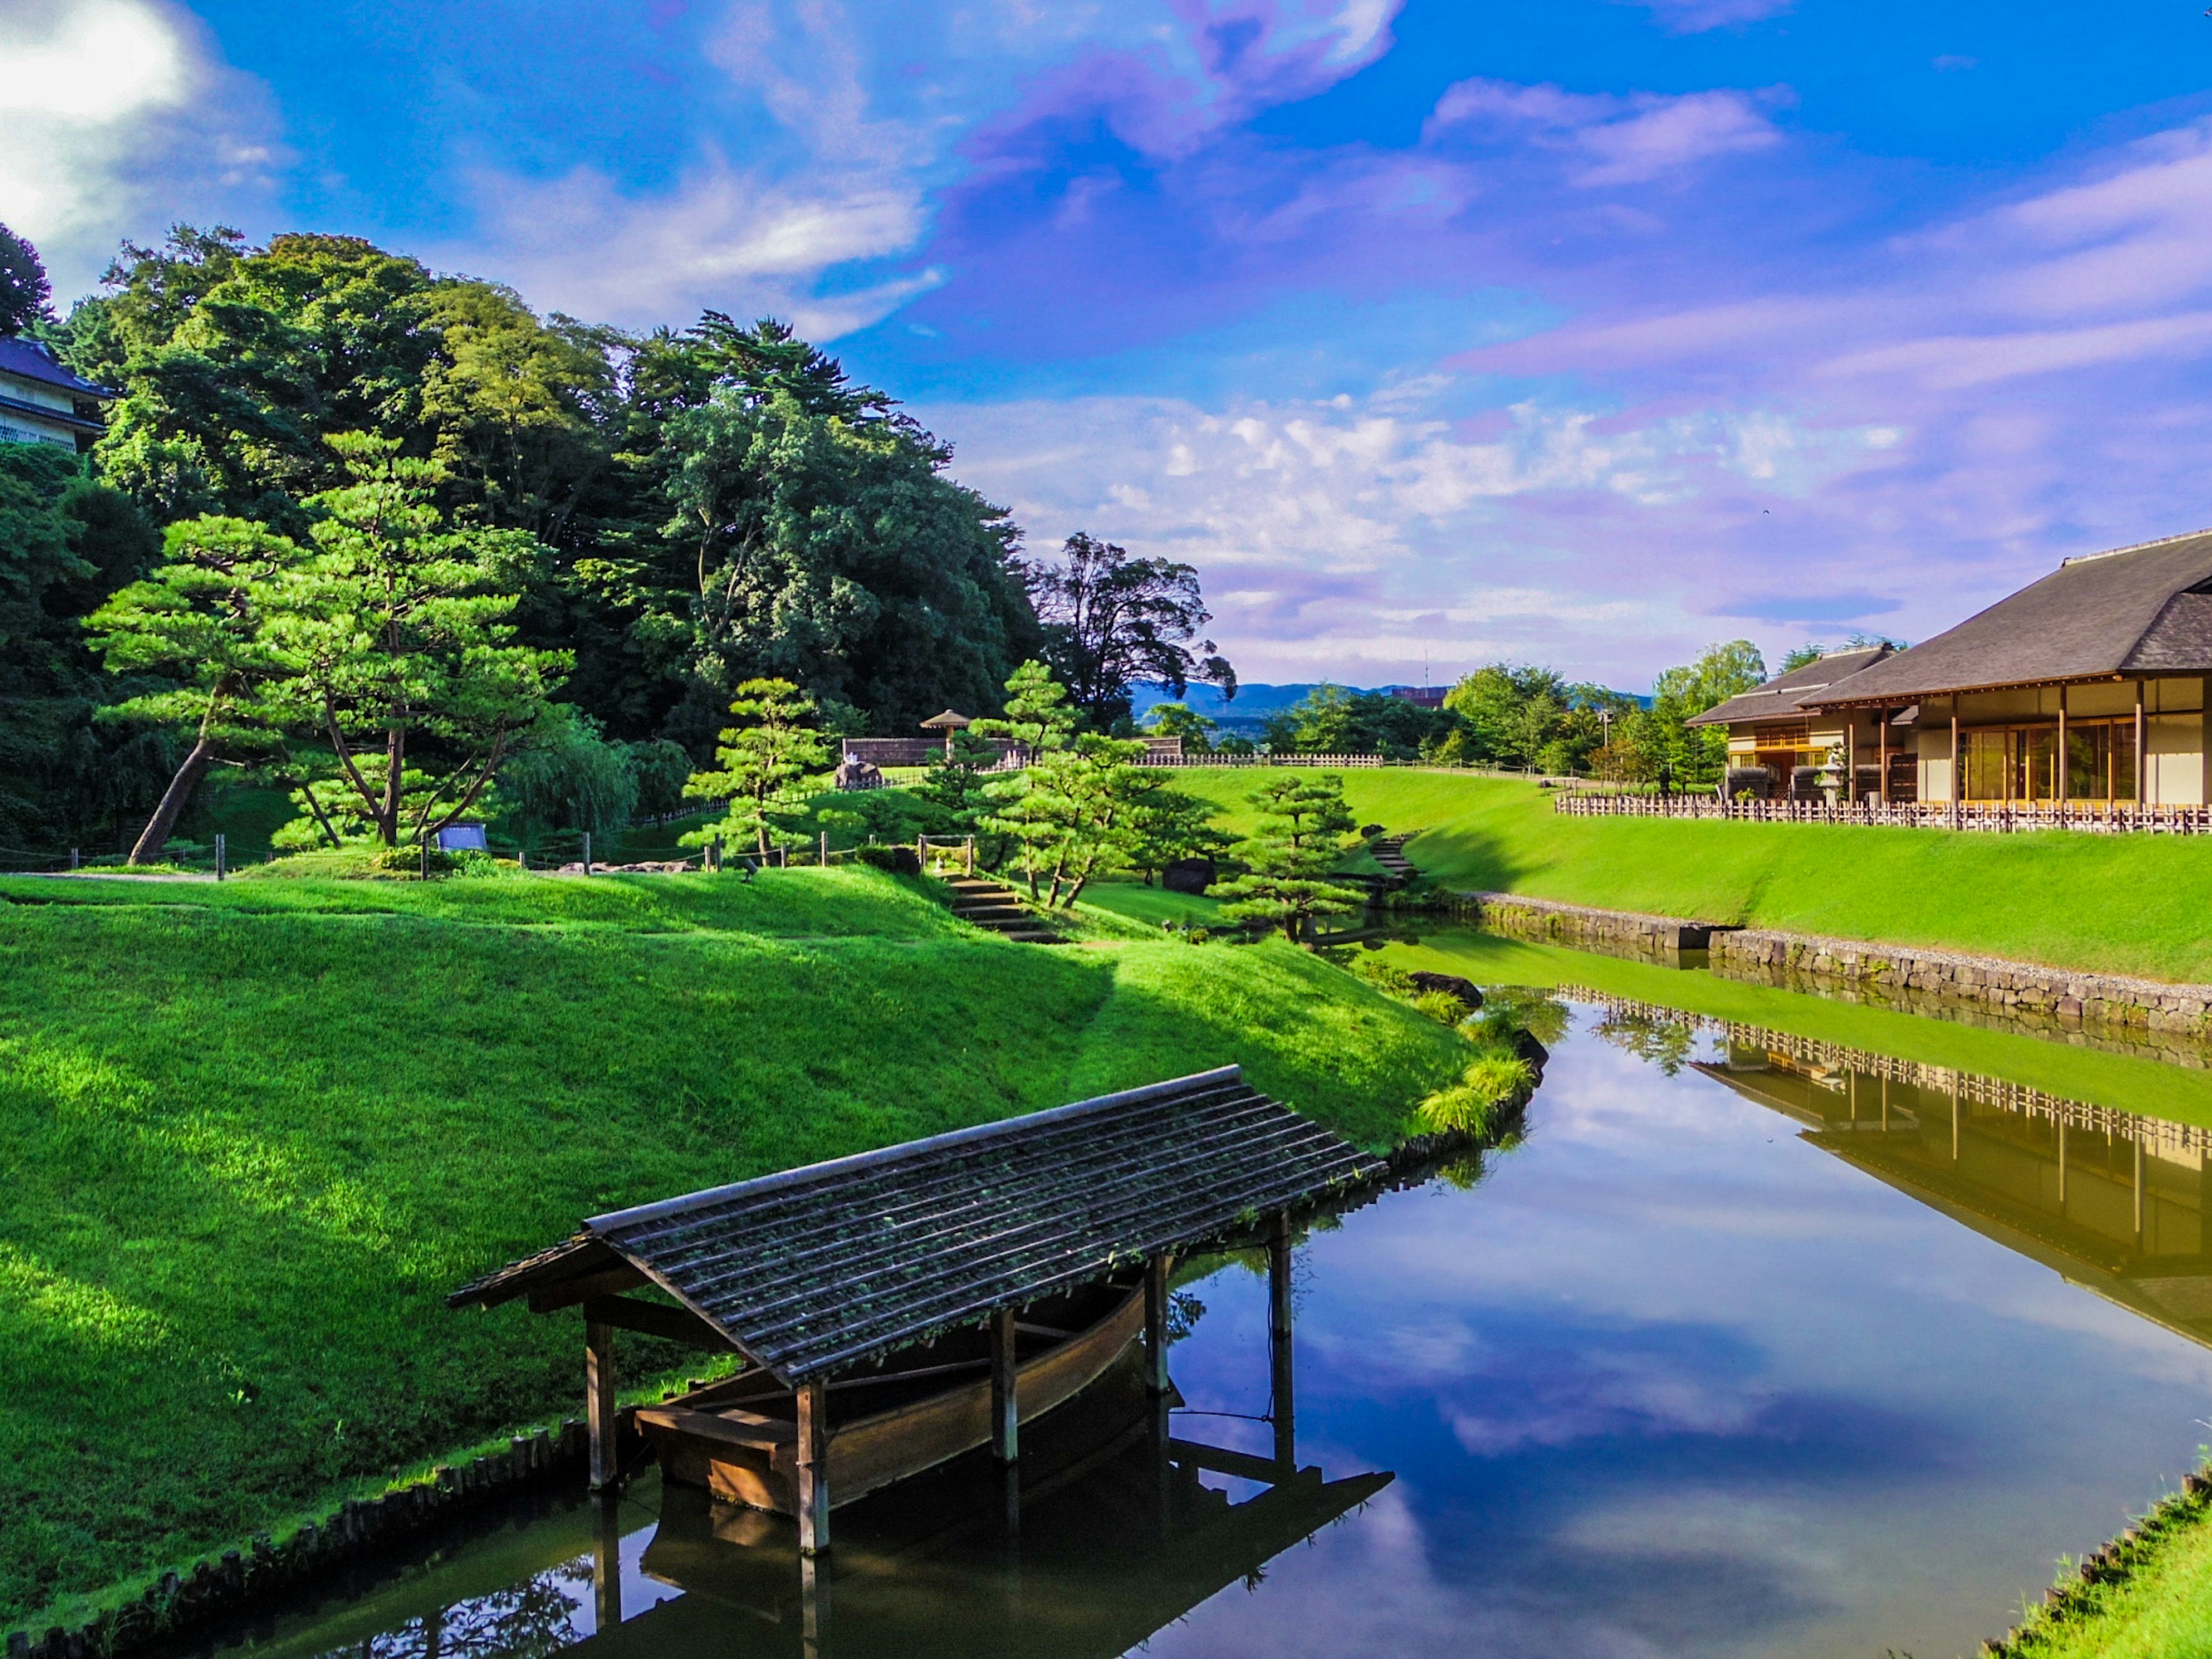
[[2010, 817], [1268, 760]]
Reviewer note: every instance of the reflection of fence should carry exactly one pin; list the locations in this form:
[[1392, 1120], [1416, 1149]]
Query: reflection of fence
[[1970, 1087], [2100, 819]]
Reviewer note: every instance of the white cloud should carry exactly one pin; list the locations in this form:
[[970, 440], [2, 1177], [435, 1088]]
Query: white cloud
[[1694, 17], [734, 241], [112, 110], [1620, 139]]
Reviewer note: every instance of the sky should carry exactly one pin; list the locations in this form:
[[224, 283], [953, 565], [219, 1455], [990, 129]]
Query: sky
[[1433, 332]]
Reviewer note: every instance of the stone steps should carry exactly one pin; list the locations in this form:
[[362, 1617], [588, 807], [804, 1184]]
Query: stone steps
[[1389, 852], [998, 909]]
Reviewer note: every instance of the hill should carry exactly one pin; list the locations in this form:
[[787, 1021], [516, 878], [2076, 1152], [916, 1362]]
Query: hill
[[252, 1134]]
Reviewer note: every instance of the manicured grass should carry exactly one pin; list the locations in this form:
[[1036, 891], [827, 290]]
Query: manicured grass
[[2132, 904], [1152, 905], [2152, 1600], [251, 1134]]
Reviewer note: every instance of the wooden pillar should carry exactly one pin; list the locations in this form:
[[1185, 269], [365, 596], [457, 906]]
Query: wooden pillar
[[813, 1608], [1850, 755], [606, 1562], [1005, 1424], [1958, 771], [1881, 761], [1955, 1118], [2058, 764], [599, 1403], [2062, 1164], [1155, 1325], [2142, 761], [2139, 1195], [1279, 1345], [813, 1401]]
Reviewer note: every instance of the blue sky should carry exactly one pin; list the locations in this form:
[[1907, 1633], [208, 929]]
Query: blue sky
[[1585, 332]]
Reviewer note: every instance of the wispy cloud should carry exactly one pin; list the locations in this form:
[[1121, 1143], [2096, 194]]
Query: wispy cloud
[[1616, 140], [1695, 16]]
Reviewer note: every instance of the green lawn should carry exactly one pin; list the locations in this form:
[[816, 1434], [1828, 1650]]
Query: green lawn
[[251, 1134], [2132, 904]]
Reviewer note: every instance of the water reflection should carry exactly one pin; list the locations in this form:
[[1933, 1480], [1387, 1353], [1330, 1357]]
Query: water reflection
[[2114, 1201]]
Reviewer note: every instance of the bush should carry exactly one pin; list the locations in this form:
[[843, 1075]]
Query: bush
[[1440, 1005], [1388, 980], [416, 861], [1473, 1104], [899, 861]]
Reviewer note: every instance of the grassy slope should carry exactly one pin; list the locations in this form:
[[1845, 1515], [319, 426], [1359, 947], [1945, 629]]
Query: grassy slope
[[2124, 904], [250, 1135]]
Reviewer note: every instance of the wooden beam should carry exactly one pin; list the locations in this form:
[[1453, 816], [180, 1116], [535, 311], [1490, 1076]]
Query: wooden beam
[[599, 1402], [1006, 1413], [1222, 1461], [2058, 782], [604, 1281], [813, 1431], [657, 1319], [1155, 1325], [2142, 761], [1958, 771]]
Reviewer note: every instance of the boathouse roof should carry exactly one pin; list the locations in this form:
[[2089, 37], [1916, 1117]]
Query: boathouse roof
[[1790, 696], [2143, 610], [817, 1269]]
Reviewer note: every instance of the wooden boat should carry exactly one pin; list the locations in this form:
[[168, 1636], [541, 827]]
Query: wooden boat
[[921, 1405]]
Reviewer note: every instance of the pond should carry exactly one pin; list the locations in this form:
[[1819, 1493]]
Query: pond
[[1759, 1340]]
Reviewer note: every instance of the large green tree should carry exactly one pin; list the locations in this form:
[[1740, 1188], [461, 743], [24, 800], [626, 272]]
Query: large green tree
[[200, 620], [1112, 620], [772, 745], [398, 646], [1303, 818]]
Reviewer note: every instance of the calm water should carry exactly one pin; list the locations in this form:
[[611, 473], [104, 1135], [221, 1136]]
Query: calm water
[[1752, 1345]]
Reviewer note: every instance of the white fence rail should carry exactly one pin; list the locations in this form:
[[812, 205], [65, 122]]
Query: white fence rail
[[1904, 815]]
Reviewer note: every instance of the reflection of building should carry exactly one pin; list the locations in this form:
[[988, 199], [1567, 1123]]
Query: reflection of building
[[1116, 1541], [2114, 1202]]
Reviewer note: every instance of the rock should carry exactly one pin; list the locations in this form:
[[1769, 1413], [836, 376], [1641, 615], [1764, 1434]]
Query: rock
[[1189, 876], [1450, 984], [855, 774]]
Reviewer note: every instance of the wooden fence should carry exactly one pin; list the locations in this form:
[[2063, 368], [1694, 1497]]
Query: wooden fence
[[2098, 819]]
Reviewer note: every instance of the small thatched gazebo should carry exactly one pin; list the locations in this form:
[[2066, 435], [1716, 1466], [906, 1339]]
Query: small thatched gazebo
[[948, 722]]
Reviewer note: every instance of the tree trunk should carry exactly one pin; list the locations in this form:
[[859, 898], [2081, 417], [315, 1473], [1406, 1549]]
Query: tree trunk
[[395, 757], [156, 834]]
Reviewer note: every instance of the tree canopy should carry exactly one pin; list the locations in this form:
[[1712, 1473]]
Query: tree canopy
[[1111, 621]]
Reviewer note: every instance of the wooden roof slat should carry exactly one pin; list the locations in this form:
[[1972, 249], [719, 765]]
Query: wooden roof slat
[[819, 1268]]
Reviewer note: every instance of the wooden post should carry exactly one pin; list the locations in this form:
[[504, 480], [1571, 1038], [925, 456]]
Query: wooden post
[[599, 1402], [971, 855], [1881, 752], [1006, 1415], [813, 1608], [221, 848], [2142, 761], [1955, 1118], [2061, 1166], [587, 851], [1958, 771], [2139, 1195], [813, 1401], [826, 850], [2058, 783], [1850, 755], [1155, 1325], [75, 861], [1279, 1345], [606, 1561]]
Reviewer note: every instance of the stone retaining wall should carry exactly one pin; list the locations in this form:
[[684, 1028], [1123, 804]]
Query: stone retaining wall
[[2065, 994], [1580, 924]]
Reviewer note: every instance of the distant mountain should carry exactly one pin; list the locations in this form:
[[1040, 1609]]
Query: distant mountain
[[1253, 703]]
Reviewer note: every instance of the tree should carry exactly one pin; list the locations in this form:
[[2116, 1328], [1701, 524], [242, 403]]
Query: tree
[[23, 286], [1111, 621], [1332, 720], [1302, 818], [398, 646], [770, 749], [1173, 720], [201, 618], [1081, 811], [1804, 656], [1168, 825], [1662, 742], [1041, 722], [568, 776]]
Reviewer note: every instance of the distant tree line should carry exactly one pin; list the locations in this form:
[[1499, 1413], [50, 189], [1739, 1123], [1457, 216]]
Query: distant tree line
[[1513, 717], [603, 536]]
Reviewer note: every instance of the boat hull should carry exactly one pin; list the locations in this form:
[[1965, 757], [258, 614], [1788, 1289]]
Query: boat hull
[[744, 1450]]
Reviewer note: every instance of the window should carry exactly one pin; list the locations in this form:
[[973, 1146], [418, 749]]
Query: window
[[2020, 762]]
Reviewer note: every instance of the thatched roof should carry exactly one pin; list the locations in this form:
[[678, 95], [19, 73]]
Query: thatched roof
[[1793, 694], [2144, 609], [947, 720], [818, 1269]]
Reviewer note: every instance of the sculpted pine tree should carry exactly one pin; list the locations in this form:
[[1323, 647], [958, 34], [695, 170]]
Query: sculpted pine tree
[[770, 748], [199, 619], [1040, 719], [1301, 822], [398, 647]]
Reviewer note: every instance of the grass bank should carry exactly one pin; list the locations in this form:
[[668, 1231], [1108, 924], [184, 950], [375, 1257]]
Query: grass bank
[[251, 1134], [2129, 904]]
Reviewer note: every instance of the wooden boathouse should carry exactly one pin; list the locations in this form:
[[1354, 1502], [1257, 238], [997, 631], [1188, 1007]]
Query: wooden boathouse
[[899, 1308]]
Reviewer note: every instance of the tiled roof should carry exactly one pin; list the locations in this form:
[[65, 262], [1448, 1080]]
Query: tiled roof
[[818, 1269], [31, 361], [2144, 609], [1795, 692]]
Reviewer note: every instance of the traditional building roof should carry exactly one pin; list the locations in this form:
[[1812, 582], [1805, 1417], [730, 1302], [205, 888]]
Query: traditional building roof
[[2144, 609], [1793, 693], [30, 359], [947, 721], [819, 1268]]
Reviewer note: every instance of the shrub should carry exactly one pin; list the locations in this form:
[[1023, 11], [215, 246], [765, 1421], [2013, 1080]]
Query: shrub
[[1471, 1106], [899, 861], [416, 861], [1440, 1005], [1390, 980]]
